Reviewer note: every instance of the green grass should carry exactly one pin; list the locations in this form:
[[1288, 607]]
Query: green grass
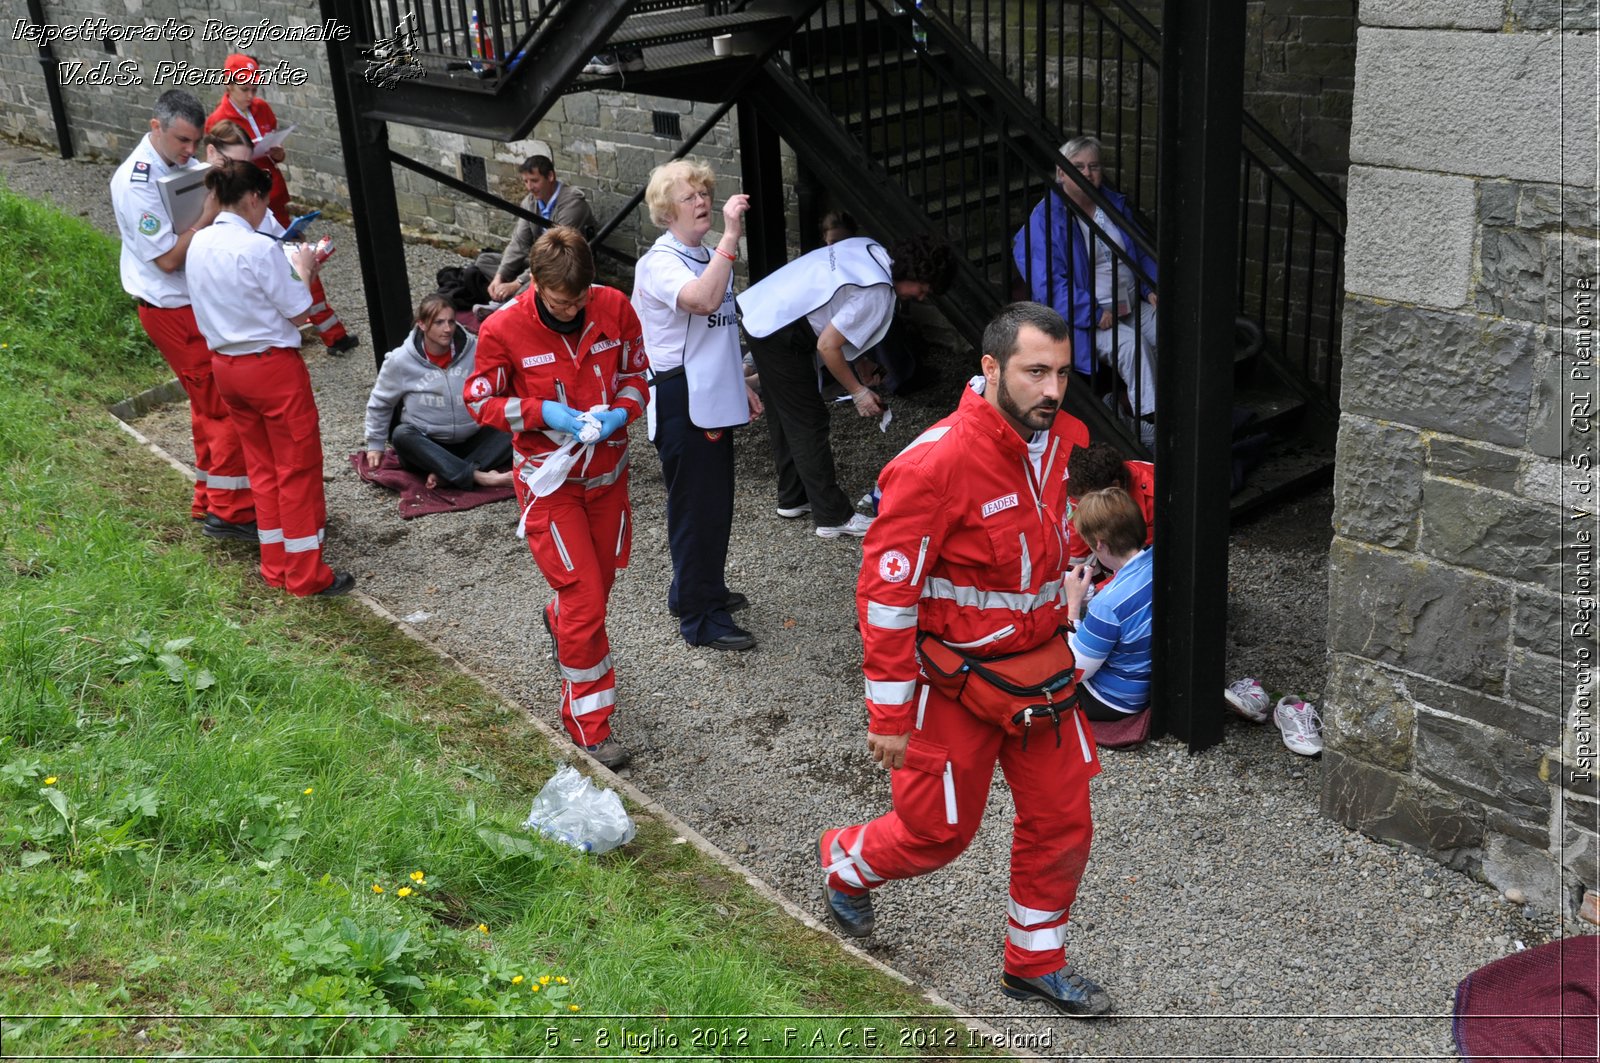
[[204, 782]]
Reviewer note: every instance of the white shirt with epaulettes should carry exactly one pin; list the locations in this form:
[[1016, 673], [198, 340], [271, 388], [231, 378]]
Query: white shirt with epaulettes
[[146, 231]]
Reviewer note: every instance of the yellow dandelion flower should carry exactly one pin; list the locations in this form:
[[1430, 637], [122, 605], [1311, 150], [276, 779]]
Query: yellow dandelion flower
[[516, 979], [534, 987], [573, 1007], [544, 979], [50, 780], [560, 980], [417, 876], [403, 891], [376, 888], [483, 928], [308, 791]]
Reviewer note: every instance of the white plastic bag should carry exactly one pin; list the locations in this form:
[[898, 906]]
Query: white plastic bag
[[572, 810]]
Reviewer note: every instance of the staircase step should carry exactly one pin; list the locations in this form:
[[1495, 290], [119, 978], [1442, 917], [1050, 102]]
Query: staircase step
[[1290, 468], [652, 29], [1277, 410]]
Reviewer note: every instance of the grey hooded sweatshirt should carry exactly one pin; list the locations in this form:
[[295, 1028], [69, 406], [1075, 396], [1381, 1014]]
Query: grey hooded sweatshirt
[[428, 397]]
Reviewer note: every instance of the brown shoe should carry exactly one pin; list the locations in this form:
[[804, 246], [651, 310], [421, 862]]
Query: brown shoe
[[611, 753]]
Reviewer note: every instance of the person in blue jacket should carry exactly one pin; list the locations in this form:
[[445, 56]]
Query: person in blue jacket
[[1111, 308]]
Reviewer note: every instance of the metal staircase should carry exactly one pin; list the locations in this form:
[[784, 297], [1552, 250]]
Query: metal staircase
[[942, 116]]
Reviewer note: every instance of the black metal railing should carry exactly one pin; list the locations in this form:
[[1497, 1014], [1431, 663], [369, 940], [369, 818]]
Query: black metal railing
[[1092, 67], [484, 37], [981, 167]]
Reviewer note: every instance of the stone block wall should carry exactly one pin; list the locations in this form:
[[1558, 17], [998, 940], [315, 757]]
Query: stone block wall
[[1461, 591]]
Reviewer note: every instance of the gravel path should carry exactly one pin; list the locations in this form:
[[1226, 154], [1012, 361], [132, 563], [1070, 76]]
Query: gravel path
[[1225, 916]]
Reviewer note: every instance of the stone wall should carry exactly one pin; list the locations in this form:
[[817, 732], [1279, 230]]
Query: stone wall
[[603, 142], [1461, 574]]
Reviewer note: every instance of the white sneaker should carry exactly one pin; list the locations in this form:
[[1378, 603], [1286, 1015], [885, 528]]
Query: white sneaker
[[1248, 699], [791, 512], [857, 525], [1300, 724]]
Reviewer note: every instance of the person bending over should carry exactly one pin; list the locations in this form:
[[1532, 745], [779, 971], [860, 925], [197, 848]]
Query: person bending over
[[836, 303], [1100, 465], [436, 435]]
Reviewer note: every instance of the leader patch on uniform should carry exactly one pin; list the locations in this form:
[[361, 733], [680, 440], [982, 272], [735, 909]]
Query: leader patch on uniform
[[538, 359], [998, 505], [149, 224], [893, 566], [604, 345], [141, 172]]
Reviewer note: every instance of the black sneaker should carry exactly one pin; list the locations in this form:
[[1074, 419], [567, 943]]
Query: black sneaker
[[852, 914], [1065, 990], [214, 527], [342, 347], [343, 583]]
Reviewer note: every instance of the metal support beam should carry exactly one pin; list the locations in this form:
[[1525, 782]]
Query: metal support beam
[[52, 82], [761, 168], [1201, 113], [365, 143]]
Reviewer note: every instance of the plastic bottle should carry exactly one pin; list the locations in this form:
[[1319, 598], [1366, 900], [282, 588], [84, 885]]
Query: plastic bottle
[[919, 33]]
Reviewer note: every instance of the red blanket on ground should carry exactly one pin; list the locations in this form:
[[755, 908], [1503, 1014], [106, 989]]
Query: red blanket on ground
[[1537, 1004], [416, 498]]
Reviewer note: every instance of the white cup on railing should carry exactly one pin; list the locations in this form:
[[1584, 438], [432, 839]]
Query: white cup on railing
[[722, 44]]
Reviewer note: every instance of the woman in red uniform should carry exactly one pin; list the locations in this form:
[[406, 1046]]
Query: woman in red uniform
[[248, 303], [241, 106], [563, 348]]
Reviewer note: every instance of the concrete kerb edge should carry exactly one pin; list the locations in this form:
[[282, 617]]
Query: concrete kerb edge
[[146, 400]]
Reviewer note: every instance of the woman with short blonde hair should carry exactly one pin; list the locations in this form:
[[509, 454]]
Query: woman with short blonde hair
[[683, 293]]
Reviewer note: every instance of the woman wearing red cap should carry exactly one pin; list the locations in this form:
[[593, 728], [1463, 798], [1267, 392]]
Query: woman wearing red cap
[[241, 106], [254, 115]]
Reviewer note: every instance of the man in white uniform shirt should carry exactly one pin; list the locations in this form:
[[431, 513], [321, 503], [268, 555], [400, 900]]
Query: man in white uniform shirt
[[836, 303], [153, 259]]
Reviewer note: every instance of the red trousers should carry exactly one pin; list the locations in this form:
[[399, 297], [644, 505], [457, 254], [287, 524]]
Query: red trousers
[[579, 539], [326, 322], [269, 397], [221, 485], [939, 798]]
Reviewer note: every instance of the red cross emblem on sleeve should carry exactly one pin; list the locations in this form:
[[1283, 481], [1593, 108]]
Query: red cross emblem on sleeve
[[893, 566]]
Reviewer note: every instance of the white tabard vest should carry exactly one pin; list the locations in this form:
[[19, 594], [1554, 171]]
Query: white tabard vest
[[792, 292], [713, 367]]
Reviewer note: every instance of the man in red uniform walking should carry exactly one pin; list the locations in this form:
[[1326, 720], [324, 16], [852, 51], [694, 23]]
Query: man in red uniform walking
[[969, 548], [563, 348]]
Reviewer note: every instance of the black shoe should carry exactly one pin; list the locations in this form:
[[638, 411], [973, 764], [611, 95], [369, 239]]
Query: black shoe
[[735, 602], [737, 639], [342, 347], [852, 914], [342, 583], [214, 527], [549, 629], [1065, 990]]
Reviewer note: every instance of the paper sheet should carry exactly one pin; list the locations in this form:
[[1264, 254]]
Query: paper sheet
[[271, 140]]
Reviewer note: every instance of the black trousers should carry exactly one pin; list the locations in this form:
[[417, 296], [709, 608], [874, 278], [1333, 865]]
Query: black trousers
[[797, 421], [453, 463], [697, 468]]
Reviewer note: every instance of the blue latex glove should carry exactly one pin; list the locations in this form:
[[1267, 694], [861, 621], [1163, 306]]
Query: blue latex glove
[[610, 421], [561, 418]]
